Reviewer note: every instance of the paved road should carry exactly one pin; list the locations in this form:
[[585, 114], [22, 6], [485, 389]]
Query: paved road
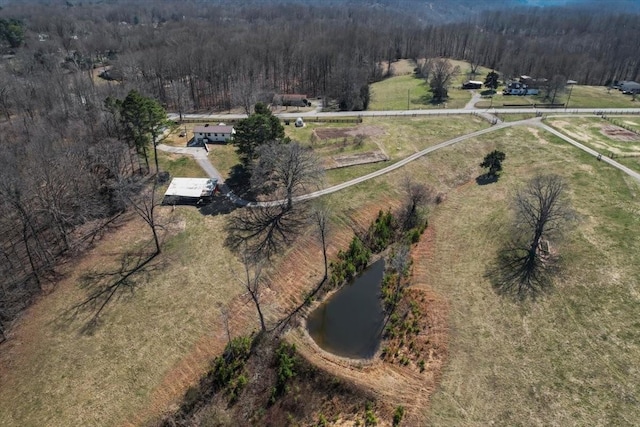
[[411, 113]]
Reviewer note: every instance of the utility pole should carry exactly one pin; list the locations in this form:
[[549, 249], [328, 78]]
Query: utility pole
[[568, 97]]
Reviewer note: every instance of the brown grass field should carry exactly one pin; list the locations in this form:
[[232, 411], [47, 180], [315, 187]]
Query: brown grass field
[[568, 358]]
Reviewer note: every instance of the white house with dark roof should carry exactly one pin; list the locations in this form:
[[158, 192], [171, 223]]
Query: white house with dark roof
[[218, 133], [627, 87]]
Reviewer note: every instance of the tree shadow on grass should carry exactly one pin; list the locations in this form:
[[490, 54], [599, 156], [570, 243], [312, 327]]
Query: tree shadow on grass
[[239, 182], [519, 275], [220, 205], [486, 179], [106, 287]]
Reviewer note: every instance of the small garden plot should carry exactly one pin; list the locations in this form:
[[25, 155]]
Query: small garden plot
[[343, 147], [618, 133], [356, 159]]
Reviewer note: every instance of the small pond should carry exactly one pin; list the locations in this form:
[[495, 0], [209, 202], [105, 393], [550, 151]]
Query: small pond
[[349, 323]]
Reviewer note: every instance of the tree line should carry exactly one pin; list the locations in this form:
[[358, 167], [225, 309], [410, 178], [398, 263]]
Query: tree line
[[218, 55]]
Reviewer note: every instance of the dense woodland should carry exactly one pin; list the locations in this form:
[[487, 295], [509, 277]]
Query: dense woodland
[[64, 151]]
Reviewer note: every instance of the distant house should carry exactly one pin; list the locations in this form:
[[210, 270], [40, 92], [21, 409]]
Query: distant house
[[291, 100], [517, 88], [472, 84], [628, 87], [532, 83], [219, 133]]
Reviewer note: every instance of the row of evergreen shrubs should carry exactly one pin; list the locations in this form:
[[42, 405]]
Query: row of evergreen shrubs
[[349, 263], [383, 231]]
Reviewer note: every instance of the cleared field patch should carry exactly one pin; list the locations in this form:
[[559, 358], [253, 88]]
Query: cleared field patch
[[333, 133], [404, 92], [597, 97], [180, 165], [405, 136], [577, 97], [619, 134]]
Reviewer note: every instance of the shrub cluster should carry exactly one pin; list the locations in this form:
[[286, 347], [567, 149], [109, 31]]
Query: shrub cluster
[[381, 232], [349, 263], [285, 368], [228, 369], [227, 373]]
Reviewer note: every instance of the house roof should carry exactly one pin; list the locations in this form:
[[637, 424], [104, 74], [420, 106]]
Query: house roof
[[630, 85], [214, 129], [293, 97], [191, 187]]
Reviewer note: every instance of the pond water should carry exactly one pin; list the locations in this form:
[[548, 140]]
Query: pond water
[[349, 324]]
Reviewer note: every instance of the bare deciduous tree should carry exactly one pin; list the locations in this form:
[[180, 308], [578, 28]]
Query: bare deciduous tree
[[321, 218], [286, 170], [441, 74], [416, 197], [526, 266], [252, 281]]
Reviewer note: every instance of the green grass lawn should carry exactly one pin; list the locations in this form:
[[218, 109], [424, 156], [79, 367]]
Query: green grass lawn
[[223, 157], [578, 97], [179, 165], [398, 93], [405, 92], [597, 97]]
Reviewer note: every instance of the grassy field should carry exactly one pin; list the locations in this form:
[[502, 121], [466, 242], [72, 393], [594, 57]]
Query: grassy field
[[597, 97], [180, 165], [223, 157], [60, 376], [407, 92], [589, 131], [400, 93], [568, 358]]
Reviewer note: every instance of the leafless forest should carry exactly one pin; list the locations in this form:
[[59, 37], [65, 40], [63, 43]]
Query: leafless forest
[[64, 154]]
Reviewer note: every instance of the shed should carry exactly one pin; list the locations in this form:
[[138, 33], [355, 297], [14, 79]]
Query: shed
[[191, 188], [472, 84]]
